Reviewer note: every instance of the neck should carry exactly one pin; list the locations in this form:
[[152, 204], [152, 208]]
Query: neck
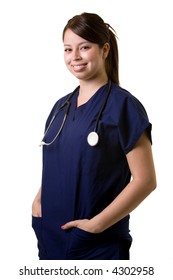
[[88, 89]]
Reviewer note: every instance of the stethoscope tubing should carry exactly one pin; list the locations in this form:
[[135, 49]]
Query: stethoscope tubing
[[103, 106], [93, 137], [61, 127]]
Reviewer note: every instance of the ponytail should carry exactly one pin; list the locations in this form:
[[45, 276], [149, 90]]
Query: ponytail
[[112, 60]]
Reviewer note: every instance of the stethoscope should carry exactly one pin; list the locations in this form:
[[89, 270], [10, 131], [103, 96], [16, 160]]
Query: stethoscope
[[93, 137]]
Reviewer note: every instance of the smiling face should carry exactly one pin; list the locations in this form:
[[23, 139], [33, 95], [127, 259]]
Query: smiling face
[[85, 60]]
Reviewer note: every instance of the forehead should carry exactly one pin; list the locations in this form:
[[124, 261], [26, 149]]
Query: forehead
[[70, 38]]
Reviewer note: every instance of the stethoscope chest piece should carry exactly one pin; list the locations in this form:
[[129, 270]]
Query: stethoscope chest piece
[[93, 138]]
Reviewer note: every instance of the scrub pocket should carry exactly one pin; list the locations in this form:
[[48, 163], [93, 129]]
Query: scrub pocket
[[37, 227], [84, 245]]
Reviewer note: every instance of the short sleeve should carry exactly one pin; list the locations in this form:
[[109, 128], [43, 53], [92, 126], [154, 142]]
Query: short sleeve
[[133, 122]]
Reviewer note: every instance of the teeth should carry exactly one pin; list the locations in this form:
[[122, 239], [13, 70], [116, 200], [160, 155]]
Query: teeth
[[78, 67]]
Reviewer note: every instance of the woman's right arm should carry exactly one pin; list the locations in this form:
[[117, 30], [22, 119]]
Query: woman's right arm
[[36, 205]]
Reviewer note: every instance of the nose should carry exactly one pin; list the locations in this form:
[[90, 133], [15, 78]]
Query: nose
[[76, 55]]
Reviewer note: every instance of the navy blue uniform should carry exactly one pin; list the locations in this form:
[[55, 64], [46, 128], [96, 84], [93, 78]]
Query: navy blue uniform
[[79, 181]]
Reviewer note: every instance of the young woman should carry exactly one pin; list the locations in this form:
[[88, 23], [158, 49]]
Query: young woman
[[97, 157]]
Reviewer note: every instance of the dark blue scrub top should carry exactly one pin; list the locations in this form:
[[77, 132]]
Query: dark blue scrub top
[[79, 181]]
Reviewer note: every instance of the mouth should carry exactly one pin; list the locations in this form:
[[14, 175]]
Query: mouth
[[79, 67]]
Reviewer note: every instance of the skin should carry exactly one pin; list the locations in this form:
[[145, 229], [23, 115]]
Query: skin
[[86, 61]]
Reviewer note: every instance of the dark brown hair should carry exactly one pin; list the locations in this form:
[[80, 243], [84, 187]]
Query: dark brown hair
[[92, 28]]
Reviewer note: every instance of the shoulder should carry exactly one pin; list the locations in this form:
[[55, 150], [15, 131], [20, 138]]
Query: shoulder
[[120, 93], [57, 105], [60, 102], [123, 99], [64, 99]]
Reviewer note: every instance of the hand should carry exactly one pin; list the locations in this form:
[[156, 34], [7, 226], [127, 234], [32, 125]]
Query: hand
[[36, 209], [84, 224]]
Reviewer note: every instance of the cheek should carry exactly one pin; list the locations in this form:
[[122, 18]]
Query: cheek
[[66, 59], [96, 58]]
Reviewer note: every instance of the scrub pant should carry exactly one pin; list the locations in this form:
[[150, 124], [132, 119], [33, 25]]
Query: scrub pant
[[77, 244]]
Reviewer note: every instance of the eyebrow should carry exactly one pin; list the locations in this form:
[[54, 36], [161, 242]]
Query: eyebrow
[[85, 42]]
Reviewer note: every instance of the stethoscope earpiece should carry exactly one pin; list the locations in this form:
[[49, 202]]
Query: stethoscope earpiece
[[93, 138]]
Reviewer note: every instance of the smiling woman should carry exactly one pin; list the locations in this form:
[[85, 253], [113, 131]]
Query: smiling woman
[[84, 59], [82, 209]]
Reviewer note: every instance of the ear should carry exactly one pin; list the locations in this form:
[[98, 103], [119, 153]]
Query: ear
[[106, 49]]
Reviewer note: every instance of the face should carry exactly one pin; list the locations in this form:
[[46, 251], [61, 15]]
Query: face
[[85, 60]]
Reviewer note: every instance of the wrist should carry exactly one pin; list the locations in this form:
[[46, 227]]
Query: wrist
[[96, 225]]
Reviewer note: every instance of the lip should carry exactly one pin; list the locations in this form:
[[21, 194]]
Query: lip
[[79, 67]]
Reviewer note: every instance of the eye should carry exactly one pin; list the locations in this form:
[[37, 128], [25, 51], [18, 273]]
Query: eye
[[67, 50], [84, 48]]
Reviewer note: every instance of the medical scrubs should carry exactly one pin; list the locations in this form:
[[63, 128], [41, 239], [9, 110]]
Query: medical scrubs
[[79, 181]]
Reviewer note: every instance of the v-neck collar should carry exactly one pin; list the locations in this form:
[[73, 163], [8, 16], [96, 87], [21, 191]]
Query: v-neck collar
[[91, 99], [95, 100]]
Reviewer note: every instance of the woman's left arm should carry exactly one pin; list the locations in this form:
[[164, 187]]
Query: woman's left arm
[[143, 182]]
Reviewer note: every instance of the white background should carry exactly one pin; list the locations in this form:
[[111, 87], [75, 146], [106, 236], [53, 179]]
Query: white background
[[33, 76]]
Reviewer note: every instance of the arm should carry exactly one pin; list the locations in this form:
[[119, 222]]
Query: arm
[[36, 205], [143, 182]]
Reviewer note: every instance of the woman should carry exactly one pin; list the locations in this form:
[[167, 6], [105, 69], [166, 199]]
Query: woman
[[90, 182]]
